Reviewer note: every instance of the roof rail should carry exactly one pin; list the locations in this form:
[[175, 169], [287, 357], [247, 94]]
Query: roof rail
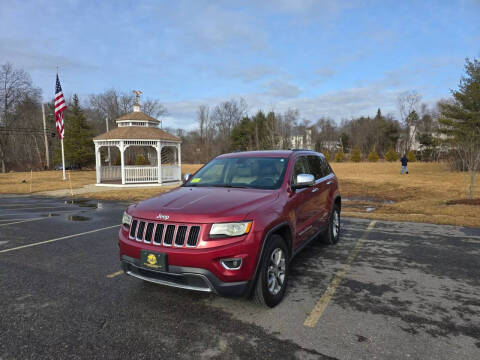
[[300, 150]]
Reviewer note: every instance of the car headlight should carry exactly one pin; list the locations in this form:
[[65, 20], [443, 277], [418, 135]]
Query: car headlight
[[230, 229], [126, 219]]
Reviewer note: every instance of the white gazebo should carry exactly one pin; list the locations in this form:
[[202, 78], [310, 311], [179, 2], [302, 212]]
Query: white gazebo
[[136, 132]]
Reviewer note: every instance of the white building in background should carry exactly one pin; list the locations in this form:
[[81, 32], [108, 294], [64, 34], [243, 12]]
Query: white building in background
[[331, 145], [302, 141]]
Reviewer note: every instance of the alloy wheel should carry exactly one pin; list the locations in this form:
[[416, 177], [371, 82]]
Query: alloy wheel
[[276, 271]]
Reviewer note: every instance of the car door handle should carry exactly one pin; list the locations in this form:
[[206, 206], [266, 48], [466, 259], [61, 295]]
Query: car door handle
[[314, 190]]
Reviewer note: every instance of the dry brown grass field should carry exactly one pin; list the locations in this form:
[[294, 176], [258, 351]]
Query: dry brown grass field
[[420, 196], [369, 190]]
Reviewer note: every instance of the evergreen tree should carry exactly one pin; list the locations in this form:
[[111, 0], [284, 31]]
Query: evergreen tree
[[339, 156], [373, 156], [78, 143], [460, 121], [411, 157], [391, 155], [356, 155]]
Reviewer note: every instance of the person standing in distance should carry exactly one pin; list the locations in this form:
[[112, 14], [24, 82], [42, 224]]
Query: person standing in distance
[[404, 161]]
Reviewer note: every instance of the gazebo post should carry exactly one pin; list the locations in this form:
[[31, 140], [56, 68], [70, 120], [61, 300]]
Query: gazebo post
[[179, 161], [98, 163], [159, 161], [122, 161]]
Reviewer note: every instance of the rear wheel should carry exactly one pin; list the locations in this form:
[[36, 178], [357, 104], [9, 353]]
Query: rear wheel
[[273, 273], [333, 232]]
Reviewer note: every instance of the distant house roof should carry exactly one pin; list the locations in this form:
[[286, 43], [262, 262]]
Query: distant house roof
[[137, 133], [138, 115]]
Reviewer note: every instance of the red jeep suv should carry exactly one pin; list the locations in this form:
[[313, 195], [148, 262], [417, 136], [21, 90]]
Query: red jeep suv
[[233, 227]]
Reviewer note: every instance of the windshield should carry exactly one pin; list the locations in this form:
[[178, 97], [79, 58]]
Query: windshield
[[242, 172]]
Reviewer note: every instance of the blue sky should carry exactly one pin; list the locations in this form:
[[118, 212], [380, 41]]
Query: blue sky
[[325, 58]]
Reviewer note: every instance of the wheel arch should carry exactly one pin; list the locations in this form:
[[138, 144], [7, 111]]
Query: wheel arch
[[337, 200], [284, 230]]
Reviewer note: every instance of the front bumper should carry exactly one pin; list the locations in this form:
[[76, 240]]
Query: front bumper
[[189, 278]]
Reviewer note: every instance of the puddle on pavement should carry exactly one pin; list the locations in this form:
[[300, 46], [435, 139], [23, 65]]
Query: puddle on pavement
[[83, 203], [77, 218]]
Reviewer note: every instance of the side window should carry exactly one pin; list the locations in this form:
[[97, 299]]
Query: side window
[[326, 169], [300, 167], [315, 164]]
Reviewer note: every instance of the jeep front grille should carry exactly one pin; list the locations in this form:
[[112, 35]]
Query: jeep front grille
[[164, 234]]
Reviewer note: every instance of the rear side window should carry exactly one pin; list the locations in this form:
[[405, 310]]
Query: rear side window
[[300, 167], [316, 168], [326, 169]]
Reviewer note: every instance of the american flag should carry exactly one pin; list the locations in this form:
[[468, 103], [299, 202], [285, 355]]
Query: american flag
[[59, 107]]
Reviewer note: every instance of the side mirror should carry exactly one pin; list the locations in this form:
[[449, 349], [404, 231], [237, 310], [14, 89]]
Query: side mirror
[[186, 177], [303, 181]]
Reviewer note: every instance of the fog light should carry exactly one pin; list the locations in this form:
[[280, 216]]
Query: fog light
[[231, 264]]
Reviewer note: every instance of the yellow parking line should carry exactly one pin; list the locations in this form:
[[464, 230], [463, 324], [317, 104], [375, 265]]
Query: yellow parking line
[[322, 304], [58, 239], [120, 272]]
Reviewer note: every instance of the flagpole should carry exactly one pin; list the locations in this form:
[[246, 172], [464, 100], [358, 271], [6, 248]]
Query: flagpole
[[63, 153], [63, 160]]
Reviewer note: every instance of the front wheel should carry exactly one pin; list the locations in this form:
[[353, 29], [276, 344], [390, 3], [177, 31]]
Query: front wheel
[[273, 273], [333, 232]]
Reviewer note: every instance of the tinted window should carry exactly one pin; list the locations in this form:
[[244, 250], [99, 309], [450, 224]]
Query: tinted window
[[326, 169], [315, 164], [248, 172], [301, 167]]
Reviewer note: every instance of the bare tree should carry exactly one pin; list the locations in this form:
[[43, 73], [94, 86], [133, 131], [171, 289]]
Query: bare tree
[[154, 108], [112, 104], [225, 116], [408, 103], [15, 87]]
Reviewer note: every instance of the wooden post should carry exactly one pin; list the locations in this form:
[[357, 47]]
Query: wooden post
[[108, 147], [47, 154]]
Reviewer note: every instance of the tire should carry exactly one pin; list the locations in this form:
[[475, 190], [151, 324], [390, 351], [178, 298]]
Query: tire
[[273, 271], [333, 232]]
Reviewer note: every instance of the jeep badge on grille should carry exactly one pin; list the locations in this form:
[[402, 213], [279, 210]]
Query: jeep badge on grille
[[163, 217]]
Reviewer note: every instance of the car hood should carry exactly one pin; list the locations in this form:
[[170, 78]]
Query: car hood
[[203, 204]]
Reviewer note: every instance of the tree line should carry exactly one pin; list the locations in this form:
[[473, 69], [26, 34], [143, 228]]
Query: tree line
[[448, 130]]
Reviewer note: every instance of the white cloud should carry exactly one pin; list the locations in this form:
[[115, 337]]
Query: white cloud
[[281, 89]]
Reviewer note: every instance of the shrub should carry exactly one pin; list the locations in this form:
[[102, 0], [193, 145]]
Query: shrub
[[140, 160], [391, 155], [411, 156], [373, 156], [327, 155], [356, 155], [339, 156]]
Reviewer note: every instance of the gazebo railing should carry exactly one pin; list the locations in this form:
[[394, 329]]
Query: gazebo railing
[[111, 172], [171, 173], [141, 174]]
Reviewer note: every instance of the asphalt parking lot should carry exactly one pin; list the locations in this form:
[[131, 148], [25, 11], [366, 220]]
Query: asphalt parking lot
[[386, 291]]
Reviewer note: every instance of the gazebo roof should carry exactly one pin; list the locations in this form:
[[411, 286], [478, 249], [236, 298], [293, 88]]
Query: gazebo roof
[[137, 133], [138, 115]]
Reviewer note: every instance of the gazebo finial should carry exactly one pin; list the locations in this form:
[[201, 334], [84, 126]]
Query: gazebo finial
[[136, 106], [137, 96]]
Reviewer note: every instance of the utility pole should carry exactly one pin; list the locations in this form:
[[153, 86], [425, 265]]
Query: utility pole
[[108, 147], [47, 154]]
